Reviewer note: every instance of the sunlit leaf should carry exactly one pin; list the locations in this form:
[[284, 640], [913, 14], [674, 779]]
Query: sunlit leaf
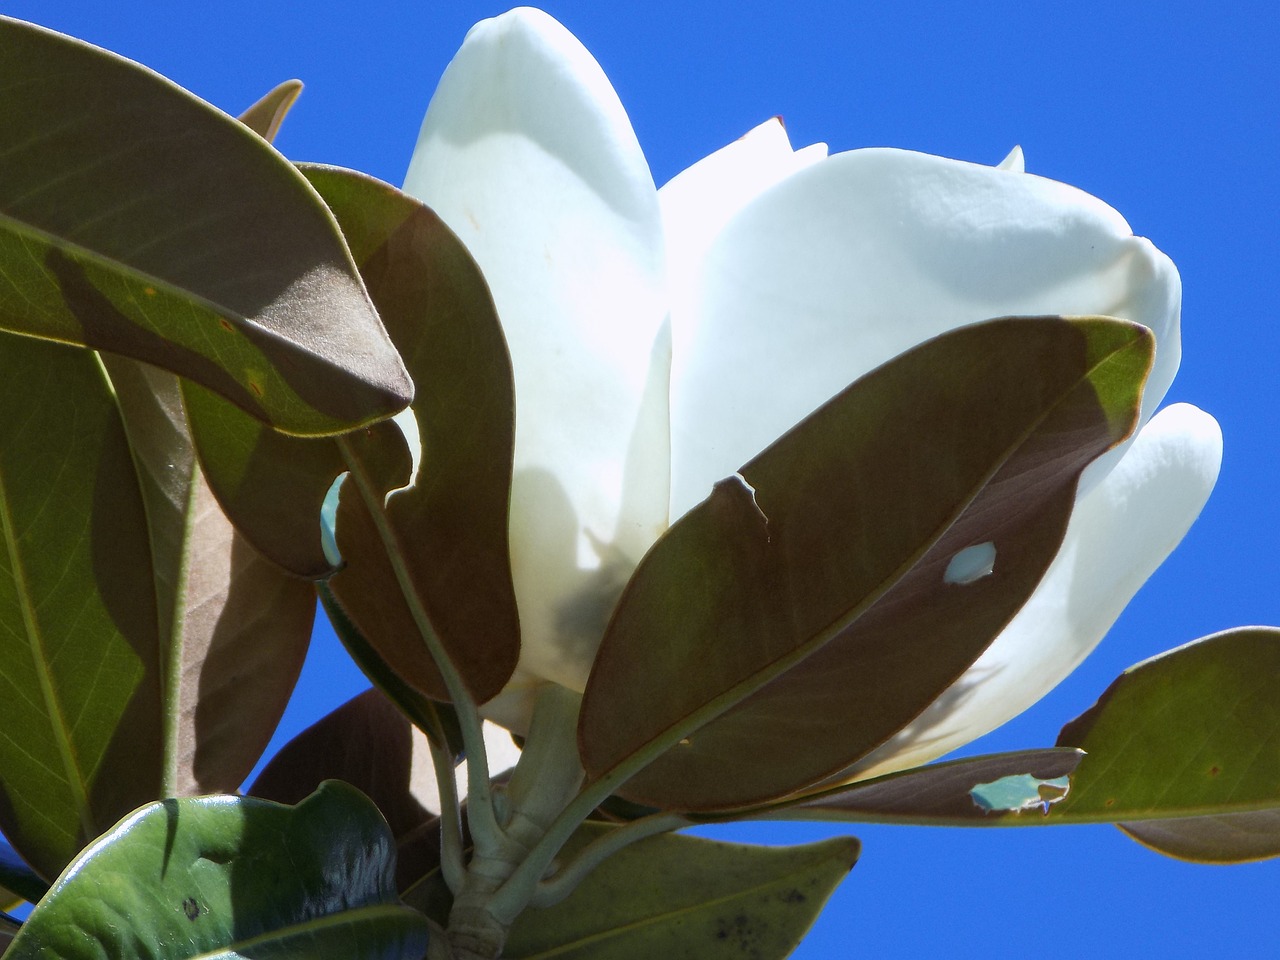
[[234, 628], [803, 613], [138, 219], [685, 898], [231, 876], [265, 116], [79, 648], [1194, 733]]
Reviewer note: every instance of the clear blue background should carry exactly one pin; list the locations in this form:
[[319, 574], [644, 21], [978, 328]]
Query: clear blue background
[[1168, 111]]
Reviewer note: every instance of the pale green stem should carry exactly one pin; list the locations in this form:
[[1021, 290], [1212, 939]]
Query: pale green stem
[[452, 862], [480, 812], [565, 880]]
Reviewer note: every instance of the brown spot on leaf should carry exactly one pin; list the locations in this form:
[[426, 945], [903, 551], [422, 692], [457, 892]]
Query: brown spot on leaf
[[191, 907]]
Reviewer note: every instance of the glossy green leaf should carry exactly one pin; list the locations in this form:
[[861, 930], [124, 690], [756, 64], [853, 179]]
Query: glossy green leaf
[[265, 116], [232, 877], [370, 744], [686, 898], [803, 613], [940, 794], [79, 642], [1193, 733], [234, 627], [137, 219]]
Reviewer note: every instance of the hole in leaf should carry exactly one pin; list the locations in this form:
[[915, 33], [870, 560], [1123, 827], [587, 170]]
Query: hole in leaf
[[971, 564]]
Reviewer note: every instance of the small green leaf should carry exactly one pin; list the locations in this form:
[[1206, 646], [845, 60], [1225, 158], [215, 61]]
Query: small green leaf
[[79, 642], [265, 116], [232, 876], [809, 608], [685, 898], [137, 219], [371, 745], [1193, 733]]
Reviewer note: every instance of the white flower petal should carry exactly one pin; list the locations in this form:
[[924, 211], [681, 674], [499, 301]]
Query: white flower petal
[[698, 202], [528, 156], [1119, 534], [857, 258]]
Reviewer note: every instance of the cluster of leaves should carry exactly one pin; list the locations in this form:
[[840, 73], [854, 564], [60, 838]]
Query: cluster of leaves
[[198, 339]]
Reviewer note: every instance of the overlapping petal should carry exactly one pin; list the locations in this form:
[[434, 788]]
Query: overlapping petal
[[852, 260], [1120, 532], [528, 156]]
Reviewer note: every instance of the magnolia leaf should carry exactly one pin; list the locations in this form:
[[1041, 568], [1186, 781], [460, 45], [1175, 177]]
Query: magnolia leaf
[[228, 877], [234, 628], [370, 744], [934, 795], [18, 881], [265, 116], [137, 219], [806, 610], [79, 643], [449, 526], [1193, 733], [685, 898], [1233, 838]]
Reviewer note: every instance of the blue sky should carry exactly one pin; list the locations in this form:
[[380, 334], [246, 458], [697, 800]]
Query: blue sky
[[1165, 110]]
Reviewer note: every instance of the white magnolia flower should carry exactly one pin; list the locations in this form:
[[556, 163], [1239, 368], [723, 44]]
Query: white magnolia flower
[[662, 338]]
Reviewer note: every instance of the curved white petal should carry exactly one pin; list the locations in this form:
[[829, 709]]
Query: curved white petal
[[1119, 534], [857, 258], [1015, 162], [529, 157], [698, 202]]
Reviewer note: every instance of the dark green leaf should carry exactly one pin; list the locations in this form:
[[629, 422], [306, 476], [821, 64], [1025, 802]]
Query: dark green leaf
[[17, 880], [803, 613], [231, 876], [265, 116], [79, 650], [138, 219], [370, 744], [1195, 733], [684, 898]]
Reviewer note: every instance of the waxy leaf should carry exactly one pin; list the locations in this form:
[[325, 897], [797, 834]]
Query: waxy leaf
[[79, 642], [234, 627], [807, 610], [137, 219], [1193, 733], [940, 794], [229, 877], [685, 898]]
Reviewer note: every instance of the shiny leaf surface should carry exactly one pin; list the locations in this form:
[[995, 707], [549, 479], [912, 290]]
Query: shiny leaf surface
[[137, 219], [231, 876], [685, 898], [807, 609]]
